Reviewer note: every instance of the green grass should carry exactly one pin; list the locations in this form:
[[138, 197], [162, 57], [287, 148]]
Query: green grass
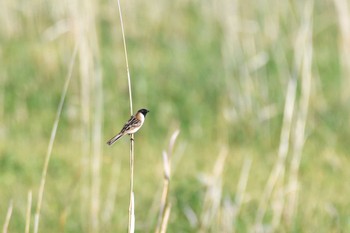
[[195, 72]]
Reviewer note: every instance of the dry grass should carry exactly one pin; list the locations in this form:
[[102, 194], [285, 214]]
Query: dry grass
[[234, 74], [131, 225], [8, 218], [165, 205], [51, 142], [28, 212]]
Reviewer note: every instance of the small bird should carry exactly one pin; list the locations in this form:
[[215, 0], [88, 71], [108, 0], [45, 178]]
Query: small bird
[[132, 126]]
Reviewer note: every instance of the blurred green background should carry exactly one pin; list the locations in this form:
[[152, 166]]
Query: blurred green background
[[217, 70]]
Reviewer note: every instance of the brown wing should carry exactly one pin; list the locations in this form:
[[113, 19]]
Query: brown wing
[[132, 123]]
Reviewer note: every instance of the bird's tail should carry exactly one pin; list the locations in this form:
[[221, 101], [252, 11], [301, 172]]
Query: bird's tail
[[114, 139]]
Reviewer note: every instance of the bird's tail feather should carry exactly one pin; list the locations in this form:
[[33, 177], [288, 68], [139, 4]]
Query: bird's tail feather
[[114, 139]]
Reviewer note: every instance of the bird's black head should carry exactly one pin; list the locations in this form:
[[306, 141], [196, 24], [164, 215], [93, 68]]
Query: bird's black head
[[143, 111]]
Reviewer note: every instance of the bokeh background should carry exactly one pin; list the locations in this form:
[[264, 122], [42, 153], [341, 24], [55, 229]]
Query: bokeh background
[[258, 89]]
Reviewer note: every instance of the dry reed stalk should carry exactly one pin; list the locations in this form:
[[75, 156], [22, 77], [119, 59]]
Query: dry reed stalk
[[278, 201], [165, 191], [126, 58], [165, 218], [343, 12], [29, 208], [165, 205], [306, 48], [131, 225], [8, 218], [279, 168], [52, 139]]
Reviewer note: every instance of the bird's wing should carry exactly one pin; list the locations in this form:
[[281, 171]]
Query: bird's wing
[[132, 123]]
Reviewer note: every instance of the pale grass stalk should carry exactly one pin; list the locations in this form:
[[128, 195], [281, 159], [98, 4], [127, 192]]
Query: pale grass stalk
[[126, 58], [230, 210], [212, 197], [164, 201], [29, 208], [166, 218], [153, 212], [242, 185], [132, 213], [343, 12], [8, 218], [132, 197], [131, 206], [278, 199], [172, 144], [164, 197], [52, 139], [155, 207], [279, 168], [191, 216], [299, 132], [243, 180]]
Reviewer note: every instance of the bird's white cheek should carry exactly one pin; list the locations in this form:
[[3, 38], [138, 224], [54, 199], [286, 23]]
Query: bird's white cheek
[[141, 117]]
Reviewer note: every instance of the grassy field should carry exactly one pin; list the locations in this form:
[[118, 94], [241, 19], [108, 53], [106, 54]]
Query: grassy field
[[258, 90]]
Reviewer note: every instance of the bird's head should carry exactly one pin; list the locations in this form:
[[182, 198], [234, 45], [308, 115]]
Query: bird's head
[[143, 111]]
